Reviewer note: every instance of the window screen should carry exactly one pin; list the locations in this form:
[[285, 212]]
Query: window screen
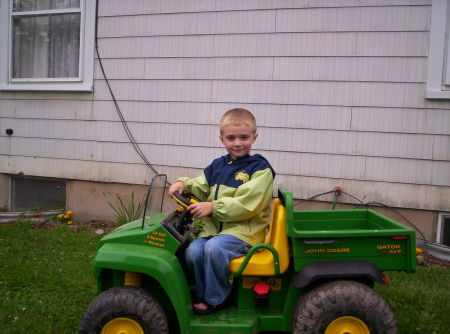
[[37, 194]]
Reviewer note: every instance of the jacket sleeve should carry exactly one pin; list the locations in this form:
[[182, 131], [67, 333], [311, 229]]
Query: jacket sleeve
[[249, 200], [198, 186]]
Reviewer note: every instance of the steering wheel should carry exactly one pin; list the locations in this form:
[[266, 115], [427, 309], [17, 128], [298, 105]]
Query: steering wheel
[[184, 220], [183, 201]]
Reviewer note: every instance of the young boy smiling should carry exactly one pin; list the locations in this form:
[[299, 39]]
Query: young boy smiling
[[235, 192]]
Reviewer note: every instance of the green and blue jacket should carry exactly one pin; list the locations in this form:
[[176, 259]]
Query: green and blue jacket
[[241, 193]]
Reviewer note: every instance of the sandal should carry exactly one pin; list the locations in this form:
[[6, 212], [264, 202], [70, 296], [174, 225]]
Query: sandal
[[210, 309]]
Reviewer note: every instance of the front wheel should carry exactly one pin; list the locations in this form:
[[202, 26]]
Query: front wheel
[[124, 309], [343, 307]]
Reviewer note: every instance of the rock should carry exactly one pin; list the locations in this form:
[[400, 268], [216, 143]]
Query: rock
[[421, 260], [99, 231]]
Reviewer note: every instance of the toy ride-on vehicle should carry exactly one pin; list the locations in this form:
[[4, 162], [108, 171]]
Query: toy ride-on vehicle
[[314, 273]]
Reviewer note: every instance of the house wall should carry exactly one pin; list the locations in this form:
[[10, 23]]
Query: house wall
[[337, 87]]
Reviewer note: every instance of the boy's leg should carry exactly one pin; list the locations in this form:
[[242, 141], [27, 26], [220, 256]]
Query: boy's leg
[[218, 251], [195, 263]]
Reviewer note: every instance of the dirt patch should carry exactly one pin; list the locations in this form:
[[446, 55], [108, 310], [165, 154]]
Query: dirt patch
[[95, 226], [427, 260], [99, 227]]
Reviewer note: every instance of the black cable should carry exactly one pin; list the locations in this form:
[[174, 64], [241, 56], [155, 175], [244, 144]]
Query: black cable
[[328, 192], [398, 212], [355, 198], [122, 118], [312, 197]]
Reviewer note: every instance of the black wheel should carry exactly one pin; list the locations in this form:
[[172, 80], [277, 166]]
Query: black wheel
[[343, 307], [124, 309]]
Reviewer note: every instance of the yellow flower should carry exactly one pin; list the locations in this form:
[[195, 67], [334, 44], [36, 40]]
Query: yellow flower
[[66, 216], [61, 215], [68, 212], [70, 222]]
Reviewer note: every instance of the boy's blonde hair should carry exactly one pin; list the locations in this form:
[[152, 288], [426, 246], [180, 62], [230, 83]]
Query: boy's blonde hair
[[238, 116]]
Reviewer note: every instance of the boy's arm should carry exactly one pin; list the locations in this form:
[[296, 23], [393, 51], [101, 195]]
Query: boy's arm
[[249, 200], [198, 186]]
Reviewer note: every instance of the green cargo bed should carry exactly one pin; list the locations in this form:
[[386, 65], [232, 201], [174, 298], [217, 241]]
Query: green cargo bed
[[333, 235]]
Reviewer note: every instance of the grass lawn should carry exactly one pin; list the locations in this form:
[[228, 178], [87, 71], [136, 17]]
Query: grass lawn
[[420, 301], [46, 280], [46, 285]]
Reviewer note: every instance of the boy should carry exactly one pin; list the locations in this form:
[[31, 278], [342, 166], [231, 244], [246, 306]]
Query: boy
[[236, 191]]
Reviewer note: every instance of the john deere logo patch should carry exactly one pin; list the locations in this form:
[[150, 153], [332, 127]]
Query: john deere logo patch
[[243, 176]]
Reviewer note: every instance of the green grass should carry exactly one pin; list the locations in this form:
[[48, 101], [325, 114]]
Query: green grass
[[46, 281], [421, 302], [46, 284]]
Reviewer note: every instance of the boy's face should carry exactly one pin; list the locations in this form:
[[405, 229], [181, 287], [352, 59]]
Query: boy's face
[[238, 140]]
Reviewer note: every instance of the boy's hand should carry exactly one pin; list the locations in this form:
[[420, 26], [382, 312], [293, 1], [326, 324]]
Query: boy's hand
[[201, 209], [176, 187]]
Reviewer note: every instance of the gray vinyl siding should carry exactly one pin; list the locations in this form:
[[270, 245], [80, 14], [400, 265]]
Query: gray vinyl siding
[[337, 87]]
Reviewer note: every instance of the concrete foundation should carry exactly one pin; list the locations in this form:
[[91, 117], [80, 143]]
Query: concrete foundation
[[89, 200]]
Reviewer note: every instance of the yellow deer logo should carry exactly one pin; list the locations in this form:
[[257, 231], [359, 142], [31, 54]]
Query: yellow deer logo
[[243, 176]]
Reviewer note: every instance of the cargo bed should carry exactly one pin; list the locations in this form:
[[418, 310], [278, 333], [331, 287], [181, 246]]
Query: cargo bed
[[331, 235]]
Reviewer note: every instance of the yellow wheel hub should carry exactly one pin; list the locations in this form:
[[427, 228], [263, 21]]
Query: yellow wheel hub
[[347, 325], [122, 326]]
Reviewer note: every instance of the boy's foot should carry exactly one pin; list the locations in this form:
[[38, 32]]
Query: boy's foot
[[200, 306], [205, 309]]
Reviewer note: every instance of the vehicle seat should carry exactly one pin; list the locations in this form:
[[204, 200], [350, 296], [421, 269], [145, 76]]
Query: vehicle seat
[[262, 262]]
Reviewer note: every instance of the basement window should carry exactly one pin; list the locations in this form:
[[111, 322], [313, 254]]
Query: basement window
[[443, 230], [36, 194]]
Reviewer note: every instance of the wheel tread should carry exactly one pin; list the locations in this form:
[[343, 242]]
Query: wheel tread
[[124, 301], [318, 307]]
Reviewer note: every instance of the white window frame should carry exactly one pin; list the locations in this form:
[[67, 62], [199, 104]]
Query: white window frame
[[85, 80], [440, 227], [438, 76]]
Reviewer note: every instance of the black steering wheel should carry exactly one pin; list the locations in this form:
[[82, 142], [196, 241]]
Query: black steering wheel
[[183, 224]]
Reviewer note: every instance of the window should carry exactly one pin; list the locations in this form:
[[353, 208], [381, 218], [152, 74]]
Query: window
[[47, 44], [438, 78], [37, 194], [443, 230]]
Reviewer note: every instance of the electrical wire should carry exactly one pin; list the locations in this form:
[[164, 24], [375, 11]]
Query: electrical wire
[[398, 212], [355, 198], [122, 118], [312, 197]]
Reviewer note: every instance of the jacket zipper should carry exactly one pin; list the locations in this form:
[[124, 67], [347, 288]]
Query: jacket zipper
[[215, 198]]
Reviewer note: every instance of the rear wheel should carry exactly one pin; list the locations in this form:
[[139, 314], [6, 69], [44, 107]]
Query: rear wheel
[[343, 307], [124, 309]]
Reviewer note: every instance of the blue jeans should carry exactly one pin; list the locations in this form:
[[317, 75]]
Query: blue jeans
[[209, 259]]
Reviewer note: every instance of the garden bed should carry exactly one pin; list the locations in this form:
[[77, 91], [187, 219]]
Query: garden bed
[[90, 226]]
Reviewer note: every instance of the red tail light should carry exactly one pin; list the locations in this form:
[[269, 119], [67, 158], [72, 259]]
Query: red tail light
[[399, 237]]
